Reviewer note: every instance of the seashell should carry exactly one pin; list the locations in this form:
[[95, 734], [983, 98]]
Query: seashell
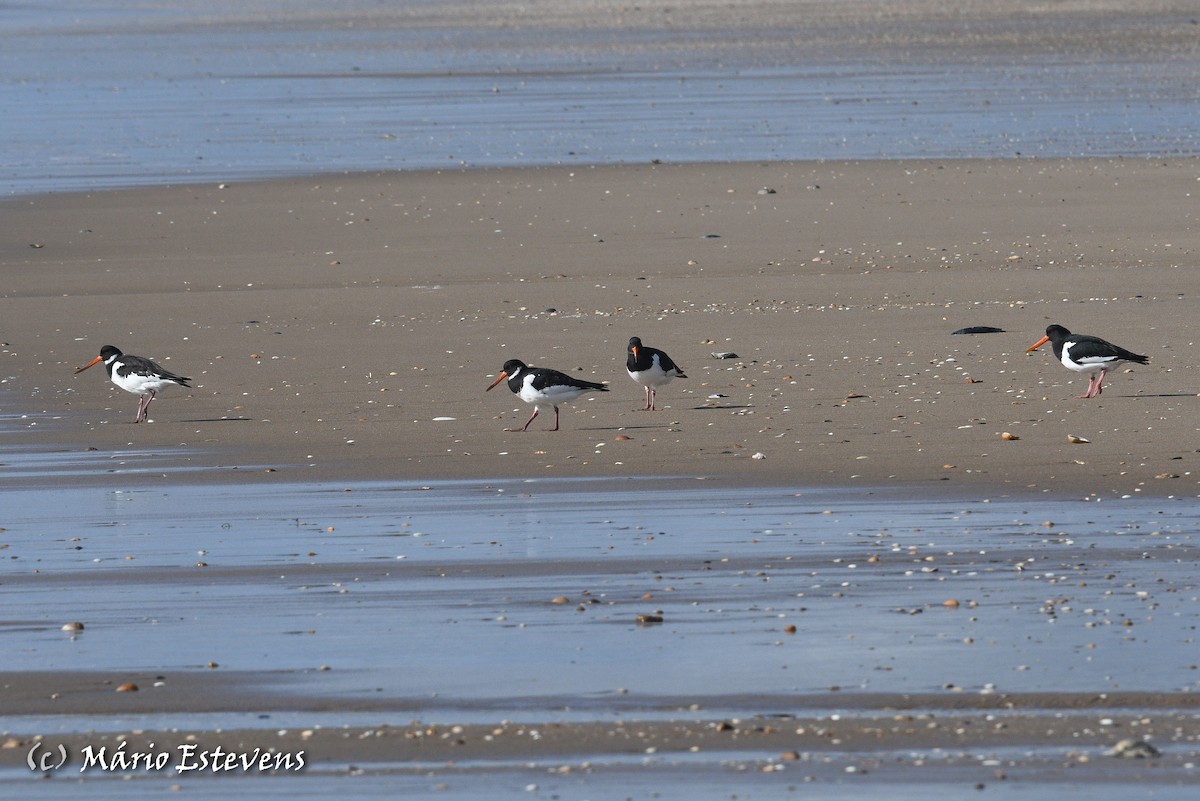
[[1130, 748], [1008, 436], [1074, 440]]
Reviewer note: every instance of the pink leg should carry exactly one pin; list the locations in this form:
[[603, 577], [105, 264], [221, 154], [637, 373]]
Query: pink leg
[[143, 402], [555, 419], [649, 403], [527, 422], [1100, 380], [653, 397]]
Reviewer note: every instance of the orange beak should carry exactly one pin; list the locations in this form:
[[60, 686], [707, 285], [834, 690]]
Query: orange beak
[[635, 350], [503, 375], [1037, 344], [96, 360]]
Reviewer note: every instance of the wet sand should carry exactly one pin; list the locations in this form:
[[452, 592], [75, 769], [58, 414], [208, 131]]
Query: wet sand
[[341, 330], [347, 326]]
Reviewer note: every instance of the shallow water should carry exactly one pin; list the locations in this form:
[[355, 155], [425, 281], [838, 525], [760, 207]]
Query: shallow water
[[480, 601], [125, 94], [401, 588]]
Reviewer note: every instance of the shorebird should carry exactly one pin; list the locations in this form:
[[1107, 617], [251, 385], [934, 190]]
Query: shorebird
[[1085, 354], [136, 374], [651, 368], [542, 387]]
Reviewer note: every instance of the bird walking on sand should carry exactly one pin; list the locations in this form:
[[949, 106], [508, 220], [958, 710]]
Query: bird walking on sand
[[542, 387], [136, 374], [1085, 354], [651, 368]]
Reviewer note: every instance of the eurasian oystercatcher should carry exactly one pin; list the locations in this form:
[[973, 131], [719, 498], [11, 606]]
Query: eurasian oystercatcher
[[542, 386], [1085, 354], [136, 374], [651, 368]]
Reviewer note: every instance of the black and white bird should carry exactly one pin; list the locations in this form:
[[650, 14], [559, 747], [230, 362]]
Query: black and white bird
[[136, 374], [1085, 354], [543, 387], [651, 368]]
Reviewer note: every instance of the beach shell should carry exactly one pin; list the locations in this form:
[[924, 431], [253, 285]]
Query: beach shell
[[1009, 436], [1074, 440], [646, 620], [128, 687], [1129, 748], [74, 626]]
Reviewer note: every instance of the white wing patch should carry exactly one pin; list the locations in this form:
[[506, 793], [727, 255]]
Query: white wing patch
[[1086, 364]]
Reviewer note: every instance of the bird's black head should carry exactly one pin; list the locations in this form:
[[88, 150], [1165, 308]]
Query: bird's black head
[[108, 351], [1057, 332], [512, 367]]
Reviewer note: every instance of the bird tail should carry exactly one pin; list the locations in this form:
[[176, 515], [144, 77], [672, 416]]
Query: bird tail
[[1134, 357]]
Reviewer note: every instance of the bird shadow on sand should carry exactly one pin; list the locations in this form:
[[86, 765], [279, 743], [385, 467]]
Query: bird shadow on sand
[[218, 420], [1160, 395], [647, 427], [724, 406]]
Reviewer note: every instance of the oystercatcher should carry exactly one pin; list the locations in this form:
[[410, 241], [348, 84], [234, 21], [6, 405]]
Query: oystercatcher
[[651, 368], [136, 374], [542, 386], [1085, 354]]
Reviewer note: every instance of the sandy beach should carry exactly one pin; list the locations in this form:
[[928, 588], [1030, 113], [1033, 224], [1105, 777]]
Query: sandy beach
[[348, 326], [852, 549]]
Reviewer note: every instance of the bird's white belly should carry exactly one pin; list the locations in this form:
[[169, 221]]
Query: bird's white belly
[[549, 396], [137, 384], [651, 377]]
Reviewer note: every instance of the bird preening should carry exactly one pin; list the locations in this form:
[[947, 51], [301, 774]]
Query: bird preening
[[543, 387], [651, 368], [1086, 354], [143, 377]]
